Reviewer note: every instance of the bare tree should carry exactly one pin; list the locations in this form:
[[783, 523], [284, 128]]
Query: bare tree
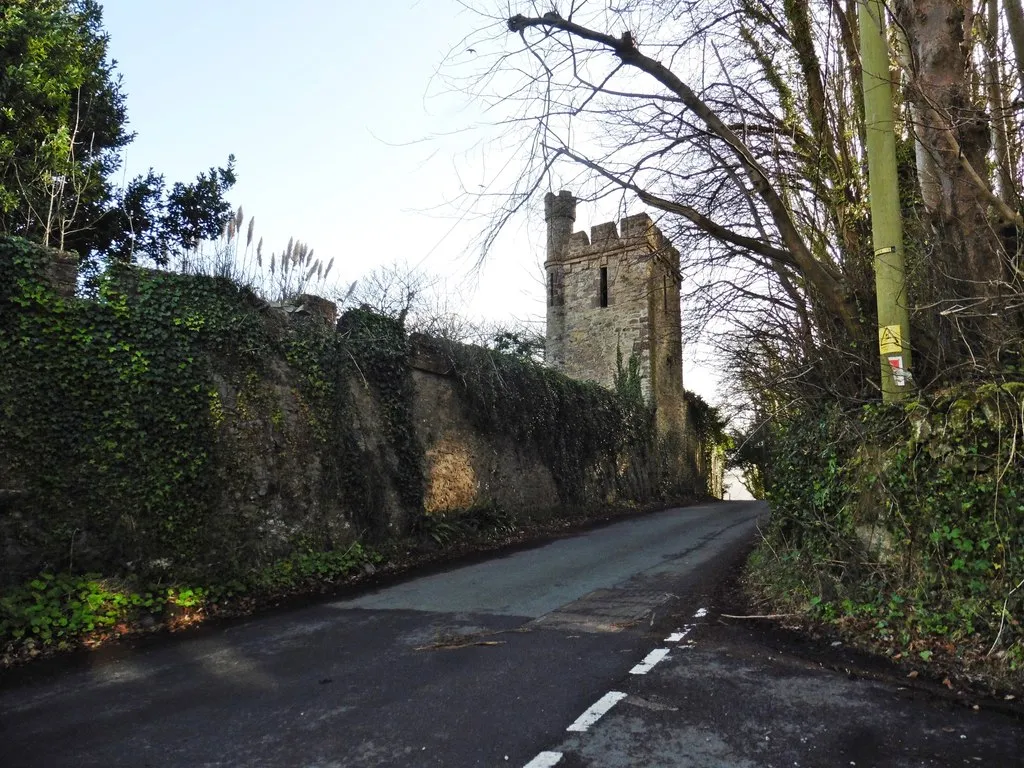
[[424, 303]]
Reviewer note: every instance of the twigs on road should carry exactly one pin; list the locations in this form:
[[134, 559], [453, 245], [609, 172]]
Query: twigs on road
[[448, 641]]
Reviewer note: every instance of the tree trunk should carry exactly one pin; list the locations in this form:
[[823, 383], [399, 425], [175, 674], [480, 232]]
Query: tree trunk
[[997, 108], [1015, 24], [952, 130]]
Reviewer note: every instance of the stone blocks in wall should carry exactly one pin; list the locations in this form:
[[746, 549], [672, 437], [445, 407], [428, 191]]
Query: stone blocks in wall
[[604, 233], [306, 305], [63, 273], [594, 335], [465, 468], [636, 227]]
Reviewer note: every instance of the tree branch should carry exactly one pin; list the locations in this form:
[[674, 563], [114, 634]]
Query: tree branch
[[826, 279]]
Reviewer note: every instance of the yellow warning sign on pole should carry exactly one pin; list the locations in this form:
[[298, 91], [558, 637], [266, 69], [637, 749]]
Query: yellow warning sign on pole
[[890, 339]]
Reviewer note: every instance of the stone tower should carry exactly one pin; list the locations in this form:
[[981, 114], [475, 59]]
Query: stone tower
[[615, 290]]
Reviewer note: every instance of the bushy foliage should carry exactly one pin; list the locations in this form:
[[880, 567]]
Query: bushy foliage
[[481, 521], [379, 350], [628, 379], [708, 426], [116, 440], [63, 118], [63, 125], [57, 610], [909, 517]]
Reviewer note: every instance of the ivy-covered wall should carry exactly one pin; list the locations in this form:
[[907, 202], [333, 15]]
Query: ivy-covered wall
[[523, 436], [905, 523], [178, 427], [175, 431]]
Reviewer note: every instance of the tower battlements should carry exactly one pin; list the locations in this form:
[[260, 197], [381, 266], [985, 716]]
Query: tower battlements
[[637, 231]]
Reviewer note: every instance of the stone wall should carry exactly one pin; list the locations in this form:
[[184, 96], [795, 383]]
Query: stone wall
[[466, 469], [179, 427], [463, 467], [593, 334]]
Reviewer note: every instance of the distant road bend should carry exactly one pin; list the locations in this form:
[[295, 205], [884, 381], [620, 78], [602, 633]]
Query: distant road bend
[[481, 665]]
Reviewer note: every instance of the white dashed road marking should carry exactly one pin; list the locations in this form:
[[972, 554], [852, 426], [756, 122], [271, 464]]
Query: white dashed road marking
[[599, 708], [610, 699], [649, 661], [544, 760], [677, 637]]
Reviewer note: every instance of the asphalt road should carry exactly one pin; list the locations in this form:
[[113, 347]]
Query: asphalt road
[[479, 666], [607, 649]]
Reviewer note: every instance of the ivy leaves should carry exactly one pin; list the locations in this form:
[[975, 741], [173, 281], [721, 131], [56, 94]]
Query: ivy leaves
[[910, 516], [378, 350], [107, 412]]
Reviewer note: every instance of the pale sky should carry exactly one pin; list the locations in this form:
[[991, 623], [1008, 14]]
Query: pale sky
[[342, 134]]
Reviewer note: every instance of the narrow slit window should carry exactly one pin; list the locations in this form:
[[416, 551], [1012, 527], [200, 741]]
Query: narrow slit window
[[604, 286], [551, 289]]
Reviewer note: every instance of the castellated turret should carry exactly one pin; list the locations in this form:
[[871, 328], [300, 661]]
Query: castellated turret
[[617, 289], [559, 214]]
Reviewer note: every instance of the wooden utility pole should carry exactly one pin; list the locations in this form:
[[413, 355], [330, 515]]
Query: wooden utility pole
[[886, 221]]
